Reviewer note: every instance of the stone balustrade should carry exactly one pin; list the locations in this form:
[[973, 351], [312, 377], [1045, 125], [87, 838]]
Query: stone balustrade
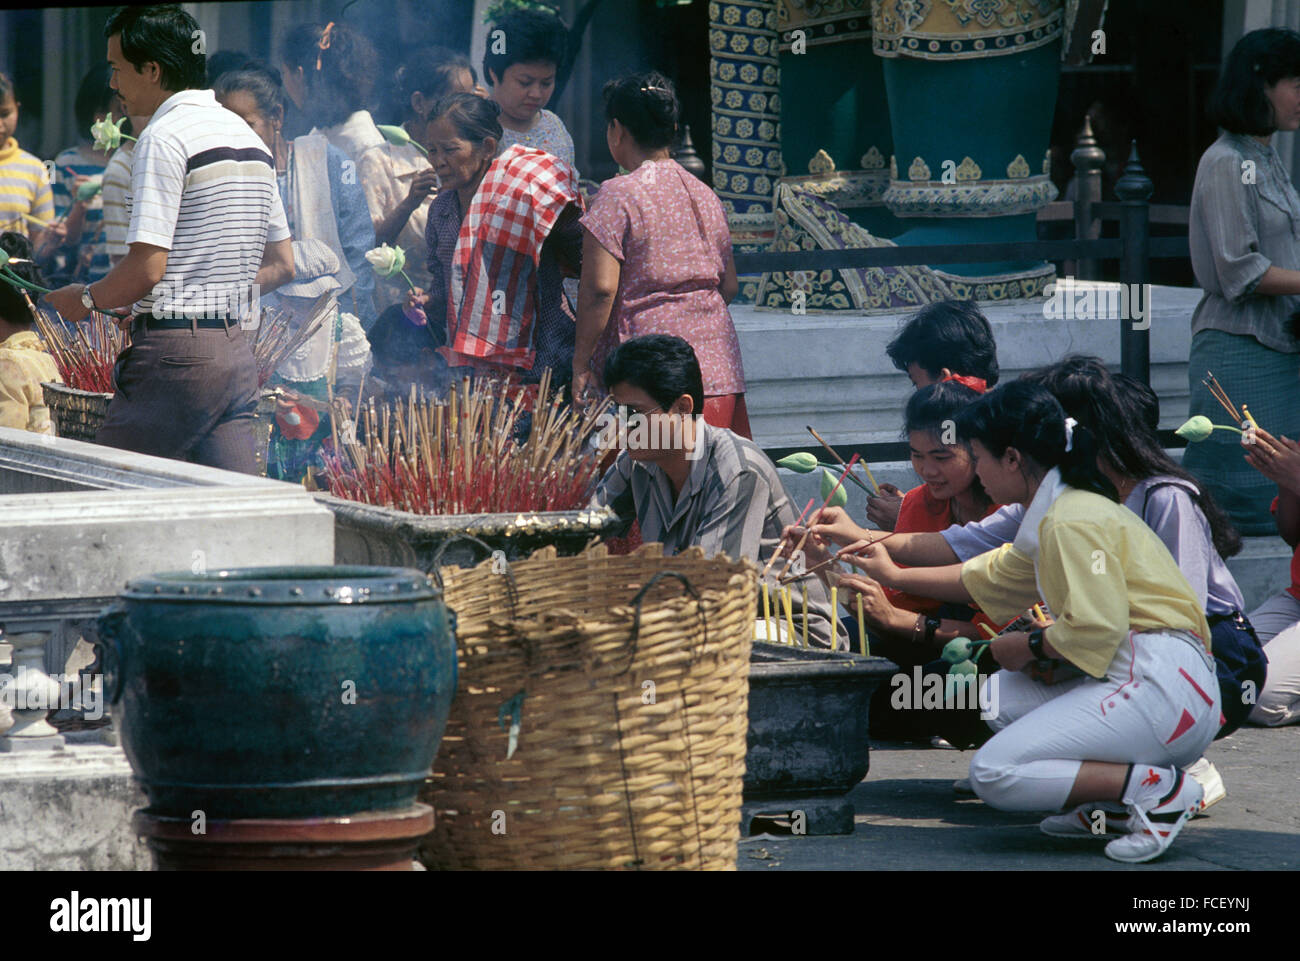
[[76, 522]]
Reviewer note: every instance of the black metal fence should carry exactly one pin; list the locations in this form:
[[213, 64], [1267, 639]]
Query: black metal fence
[[1134, 248]]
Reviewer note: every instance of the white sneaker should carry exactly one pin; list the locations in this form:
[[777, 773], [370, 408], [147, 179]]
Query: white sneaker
[[1156, 820], [1079, 822], [1211, 782]]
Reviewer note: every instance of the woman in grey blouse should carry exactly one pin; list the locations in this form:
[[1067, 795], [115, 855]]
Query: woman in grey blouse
[[1245, 246]]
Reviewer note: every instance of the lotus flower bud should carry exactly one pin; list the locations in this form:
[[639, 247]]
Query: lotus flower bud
[[397, 136], [800, 462], [957, 650], [840, 497], [963, 667], [88, 190], [1196, 429]]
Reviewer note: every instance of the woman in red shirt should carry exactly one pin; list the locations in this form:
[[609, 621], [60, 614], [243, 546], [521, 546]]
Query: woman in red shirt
[[907, 629]]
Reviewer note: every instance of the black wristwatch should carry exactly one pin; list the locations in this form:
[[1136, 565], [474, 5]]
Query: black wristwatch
[[1036, 644], [931, 626]]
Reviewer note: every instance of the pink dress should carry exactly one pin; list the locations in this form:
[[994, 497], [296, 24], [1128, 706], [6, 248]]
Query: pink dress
[[670, 233]]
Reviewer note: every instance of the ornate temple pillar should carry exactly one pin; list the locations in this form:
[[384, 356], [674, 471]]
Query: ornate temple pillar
[[835, 133], [745, 90], [972, 90]]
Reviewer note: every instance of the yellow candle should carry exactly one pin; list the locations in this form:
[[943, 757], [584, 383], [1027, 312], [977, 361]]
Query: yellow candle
[[988, 630], [1246, 413], [835, 619], [767, 613], [805, 613], [862, 630], [789, 616]]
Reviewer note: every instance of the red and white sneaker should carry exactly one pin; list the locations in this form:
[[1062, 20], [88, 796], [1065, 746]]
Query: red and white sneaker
[[1156, 819], [1083, 821]]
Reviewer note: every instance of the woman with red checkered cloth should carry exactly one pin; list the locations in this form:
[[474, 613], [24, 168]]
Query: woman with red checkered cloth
[[502, 235]]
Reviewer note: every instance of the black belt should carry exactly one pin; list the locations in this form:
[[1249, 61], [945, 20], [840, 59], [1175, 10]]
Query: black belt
[[150, 322]]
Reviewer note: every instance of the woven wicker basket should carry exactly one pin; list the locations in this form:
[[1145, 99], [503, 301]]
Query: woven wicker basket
[[76, 413], [631, 740]]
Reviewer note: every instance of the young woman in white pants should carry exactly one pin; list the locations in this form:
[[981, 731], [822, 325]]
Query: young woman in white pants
[[1148, 700]]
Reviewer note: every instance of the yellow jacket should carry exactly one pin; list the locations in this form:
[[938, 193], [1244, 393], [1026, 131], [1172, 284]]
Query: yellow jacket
[[1100, 569], [24, 364]]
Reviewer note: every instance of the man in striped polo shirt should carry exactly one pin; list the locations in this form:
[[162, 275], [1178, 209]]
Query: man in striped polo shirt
[[688, 483], [207, 235]]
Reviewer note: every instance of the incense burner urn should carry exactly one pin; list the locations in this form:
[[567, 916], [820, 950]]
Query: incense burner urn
[[280, 692], [808, 737]]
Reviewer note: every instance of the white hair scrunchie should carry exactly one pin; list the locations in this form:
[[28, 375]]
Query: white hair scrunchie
[[1070, 422]]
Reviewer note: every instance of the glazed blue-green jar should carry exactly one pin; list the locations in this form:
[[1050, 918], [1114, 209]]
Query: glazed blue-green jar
[[280, 692]]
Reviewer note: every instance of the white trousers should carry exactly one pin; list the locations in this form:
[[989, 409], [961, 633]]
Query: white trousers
[[1277, 622], [1158, 705]]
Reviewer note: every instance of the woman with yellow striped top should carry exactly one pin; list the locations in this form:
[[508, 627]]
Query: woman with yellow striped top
[[1146, 702], [26, 201]]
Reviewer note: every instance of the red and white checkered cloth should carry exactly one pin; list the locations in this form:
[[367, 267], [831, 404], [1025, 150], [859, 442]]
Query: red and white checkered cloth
[[492, 303]]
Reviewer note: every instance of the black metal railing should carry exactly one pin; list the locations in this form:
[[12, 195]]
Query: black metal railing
[[1134, 248]]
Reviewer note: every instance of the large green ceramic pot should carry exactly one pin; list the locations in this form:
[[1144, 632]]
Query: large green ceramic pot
[[280, 692]]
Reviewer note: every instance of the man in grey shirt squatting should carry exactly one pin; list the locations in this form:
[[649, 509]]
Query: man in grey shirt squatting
[[207, 235], [693, 484]]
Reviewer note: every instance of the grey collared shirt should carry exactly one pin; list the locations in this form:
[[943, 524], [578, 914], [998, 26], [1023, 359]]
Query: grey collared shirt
[[733, 502], [1245, 216]]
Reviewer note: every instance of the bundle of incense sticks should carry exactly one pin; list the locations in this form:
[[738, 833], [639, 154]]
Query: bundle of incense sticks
[[85, 358], [276, 339], [1221, 395], [460, 456]]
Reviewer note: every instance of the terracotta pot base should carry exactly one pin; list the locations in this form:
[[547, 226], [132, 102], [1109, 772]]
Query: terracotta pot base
[[370, 841]]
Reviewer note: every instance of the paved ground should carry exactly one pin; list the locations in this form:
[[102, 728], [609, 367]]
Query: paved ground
[[908, 818]]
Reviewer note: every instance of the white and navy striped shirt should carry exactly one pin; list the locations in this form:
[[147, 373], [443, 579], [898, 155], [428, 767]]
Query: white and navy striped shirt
[[203, 186]]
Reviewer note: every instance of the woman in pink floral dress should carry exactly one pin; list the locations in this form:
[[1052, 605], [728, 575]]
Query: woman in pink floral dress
[[656, 256]]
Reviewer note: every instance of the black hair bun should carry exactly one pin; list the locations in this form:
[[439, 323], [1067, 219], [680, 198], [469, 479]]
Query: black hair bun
[[16, 245]]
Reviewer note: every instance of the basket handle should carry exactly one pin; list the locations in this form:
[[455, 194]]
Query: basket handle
[[435, 568], [640, 597]]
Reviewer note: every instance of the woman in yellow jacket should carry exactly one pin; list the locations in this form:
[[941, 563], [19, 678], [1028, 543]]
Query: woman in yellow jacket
[[1145, 701]]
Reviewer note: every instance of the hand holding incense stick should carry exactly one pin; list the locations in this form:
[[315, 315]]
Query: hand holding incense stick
[[837, 556], [777, 553], [804, 540]]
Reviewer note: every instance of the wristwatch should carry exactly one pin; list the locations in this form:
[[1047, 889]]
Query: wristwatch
[[87, 300], [1036, 644]]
